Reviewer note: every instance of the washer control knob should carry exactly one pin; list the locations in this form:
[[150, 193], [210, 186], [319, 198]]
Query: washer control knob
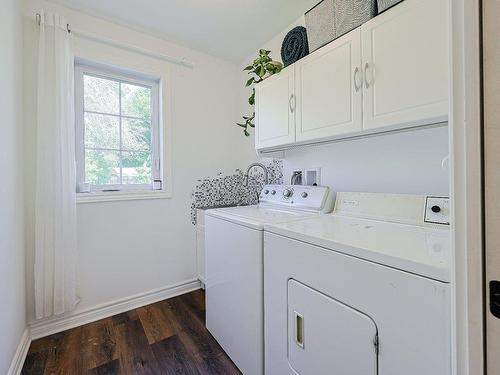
[[273, 192], [304, 195], [287, 193], [266, 191], [436, 209]]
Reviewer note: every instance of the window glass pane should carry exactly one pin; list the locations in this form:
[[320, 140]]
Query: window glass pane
[[136, 101], [101, 95], [136, 135], [102, 131], [102, 167], [136, 168], [118, 131]]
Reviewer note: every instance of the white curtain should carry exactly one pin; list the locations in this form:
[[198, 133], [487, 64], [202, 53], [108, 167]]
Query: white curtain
[[55, 210]]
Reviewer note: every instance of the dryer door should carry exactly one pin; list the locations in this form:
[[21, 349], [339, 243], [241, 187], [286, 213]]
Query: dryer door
[[328, 337]]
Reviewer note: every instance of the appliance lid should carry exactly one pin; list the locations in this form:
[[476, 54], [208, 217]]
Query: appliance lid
[[421, 250], [257, 216], [279, 203]]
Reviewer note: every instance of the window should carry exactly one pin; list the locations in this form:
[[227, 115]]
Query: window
[[118, 134]]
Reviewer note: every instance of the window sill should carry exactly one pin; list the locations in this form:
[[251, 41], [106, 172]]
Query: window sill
[[97, 197]]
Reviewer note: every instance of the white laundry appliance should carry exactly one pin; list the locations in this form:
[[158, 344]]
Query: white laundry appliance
[[362, 291], [234, 241]]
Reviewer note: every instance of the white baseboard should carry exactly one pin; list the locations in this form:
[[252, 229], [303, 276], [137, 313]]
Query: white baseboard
[[46, 327], [20, 356]]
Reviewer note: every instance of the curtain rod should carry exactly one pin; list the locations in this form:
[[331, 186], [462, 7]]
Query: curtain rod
[[124, 46]]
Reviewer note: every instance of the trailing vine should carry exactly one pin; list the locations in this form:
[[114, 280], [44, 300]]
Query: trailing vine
[[262, 67]]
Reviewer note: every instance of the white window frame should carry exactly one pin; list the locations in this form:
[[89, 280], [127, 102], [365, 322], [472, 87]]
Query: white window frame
[[106, 192]]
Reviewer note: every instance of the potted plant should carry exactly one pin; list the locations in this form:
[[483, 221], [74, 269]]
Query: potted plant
[[262, 67]]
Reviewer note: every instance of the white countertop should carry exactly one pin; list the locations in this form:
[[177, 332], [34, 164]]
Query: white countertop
[[422, 250]]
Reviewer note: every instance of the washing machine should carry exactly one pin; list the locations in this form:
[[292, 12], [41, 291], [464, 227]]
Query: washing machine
[[362, 291], [234, 240]]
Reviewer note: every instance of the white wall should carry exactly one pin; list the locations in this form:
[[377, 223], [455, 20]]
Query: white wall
[[12, 287], [132, 247], [409, 162]]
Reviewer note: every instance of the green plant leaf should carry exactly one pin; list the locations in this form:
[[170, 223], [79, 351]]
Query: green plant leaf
[[260, 71], [271, 68], [262, 67]]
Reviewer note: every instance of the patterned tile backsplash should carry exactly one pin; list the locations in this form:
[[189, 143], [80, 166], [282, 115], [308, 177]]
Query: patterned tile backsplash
[[230, 190]]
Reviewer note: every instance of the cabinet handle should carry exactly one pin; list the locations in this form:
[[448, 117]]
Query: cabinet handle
[[299, 329], [356, 75], [292, 103], [368, 83]]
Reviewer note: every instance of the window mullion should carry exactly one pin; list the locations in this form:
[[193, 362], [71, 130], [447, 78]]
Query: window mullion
[[113, 115], [155, 146], [153, 139], [121, 140], [79, 128]]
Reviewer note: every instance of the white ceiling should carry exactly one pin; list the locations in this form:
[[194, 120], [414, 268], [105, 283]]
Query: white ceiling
[[231, 29]]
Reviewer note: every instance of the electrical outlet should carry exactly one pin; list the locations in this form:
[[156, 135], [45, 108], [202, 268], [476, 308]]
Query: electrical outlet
[[312, 177]]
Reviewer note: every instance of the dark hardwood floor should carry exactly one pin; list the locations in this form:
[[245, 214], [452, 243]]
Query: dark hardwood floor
[[168, 337]]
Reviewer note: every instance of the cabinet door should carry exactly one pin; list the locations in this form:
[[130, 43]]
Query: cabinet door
[[329, 92], [405, 65], [275, 110]]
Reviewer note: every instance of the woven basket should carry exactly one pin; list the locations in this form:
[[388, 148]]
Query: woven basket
[[332, 18], [320, 25], [386, 4]]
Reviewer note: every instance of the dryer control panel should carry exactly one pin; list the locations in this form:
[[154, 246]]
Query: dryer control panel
[[313, 198], [398, 208]]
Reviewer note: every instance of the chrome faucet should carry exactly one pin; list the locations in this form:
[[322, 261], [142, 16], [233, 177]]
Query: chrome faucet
[[266, 177]]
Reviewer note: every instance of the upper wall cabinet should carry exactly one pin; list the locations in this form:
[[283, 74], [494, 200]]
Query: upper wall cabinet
[[390, 73], [405, 65], [329, 85], [275, 110]]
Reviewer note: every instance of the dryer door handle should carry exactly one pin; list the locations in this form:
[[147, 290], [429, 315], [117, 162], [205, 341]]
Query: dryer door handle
[[299, 329]]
